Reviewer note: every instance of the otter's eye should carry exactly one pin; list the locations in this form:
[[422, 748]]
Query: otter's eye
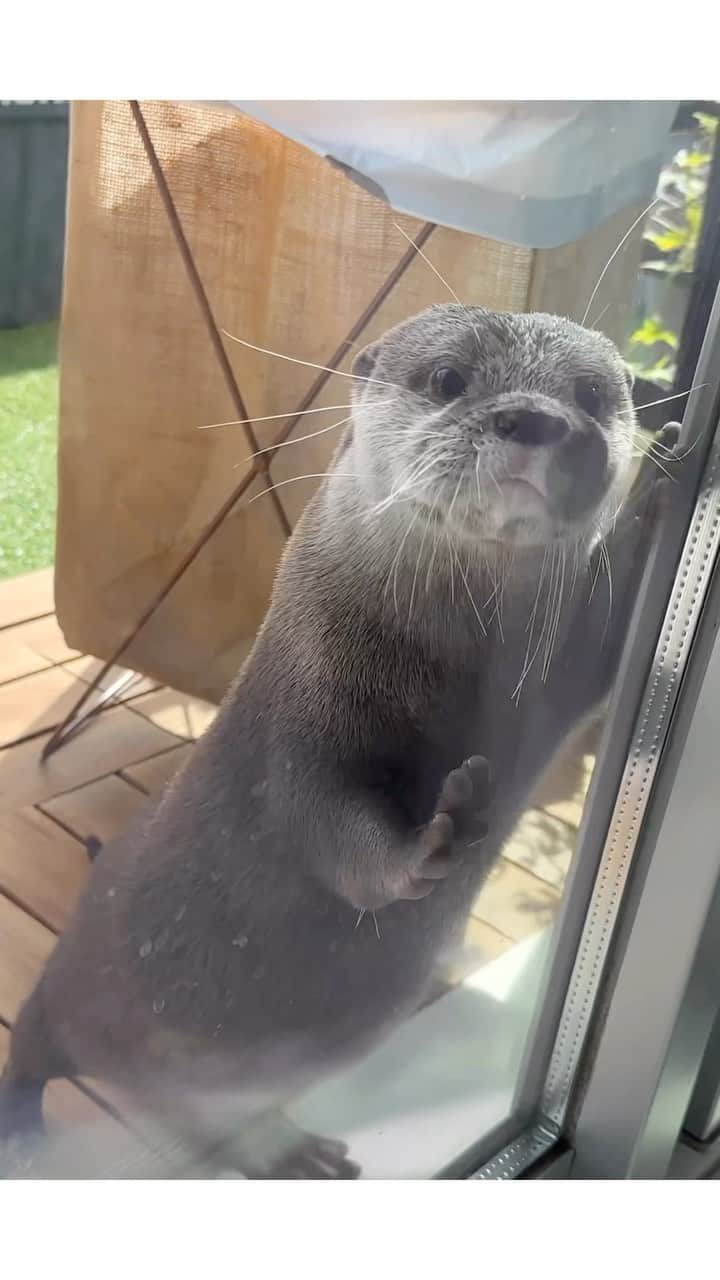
[[447, 384], [588, 396]]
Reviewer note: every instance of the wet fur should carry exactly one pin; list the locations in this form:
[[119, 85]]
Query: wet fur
[[220, 950]]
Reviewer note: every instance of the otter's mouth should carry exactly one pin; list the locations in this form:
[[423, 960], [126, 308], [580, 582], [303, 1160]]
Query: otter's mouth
[[521, 501], [521, 487]]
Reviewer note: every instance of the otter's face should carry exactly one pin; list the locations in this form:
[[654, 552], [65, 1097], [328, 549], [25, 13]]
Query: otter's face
[[506, 429]]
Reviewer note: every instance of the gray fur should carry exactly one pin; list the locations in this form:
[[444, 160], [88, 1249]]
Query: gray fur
[[218, 952]]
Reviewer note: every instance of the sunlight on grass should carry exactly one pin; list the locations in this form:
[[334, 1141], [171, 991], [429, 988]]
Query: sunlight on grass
[[28, 448]]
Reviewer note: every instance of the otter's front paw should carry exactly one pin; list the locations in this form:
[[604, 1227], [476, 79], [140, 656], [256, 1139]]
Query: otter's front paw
[[660, 466], [667, 437], [460, 818]]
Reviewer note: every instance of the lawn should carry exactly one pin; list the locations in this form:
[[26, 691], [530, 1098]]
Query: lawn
[[28, 448]]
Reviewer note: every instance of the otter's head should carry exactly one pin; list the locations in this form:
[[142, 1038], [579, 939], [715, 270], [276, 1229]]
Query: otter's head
[[507, 429]]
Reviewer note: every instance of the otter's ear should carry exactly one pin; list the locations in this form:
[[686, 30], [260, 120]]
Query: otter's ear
[[629, 376], [365, 360]]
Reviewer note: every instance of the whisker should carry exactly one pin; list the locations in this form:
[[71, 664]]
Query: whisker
[[425, 464], [271, 417], [440, 277], [454, 497], [651, 404], [515, 695], [294, 440], [436, 544], [309, 364], [614, 255], [646, 453], [605, 556], [392, 571], [312, 475], [477, 478], [451, 558], [470, 597], [426, 530], [549, 606], [669, 453], [601, 315], [557, 609], [595, 578], [396, 561], [576, 566], [490, 471]]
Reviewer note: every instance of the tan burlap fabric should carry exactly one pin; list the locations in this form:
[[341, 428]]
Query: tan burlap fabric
[[290, 252]]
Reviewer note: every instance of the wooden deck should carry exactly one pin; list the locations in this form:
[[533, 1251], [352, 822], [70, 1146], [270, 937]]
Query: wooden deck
[[98, 781]]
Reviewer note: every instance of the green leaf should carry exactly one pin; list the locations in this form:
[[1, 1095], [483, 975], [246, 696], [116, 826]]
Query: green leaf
[[693, 159], [694, 215], [664, 377], [652, 331], [663, 372], [708, 124], [667, 241]]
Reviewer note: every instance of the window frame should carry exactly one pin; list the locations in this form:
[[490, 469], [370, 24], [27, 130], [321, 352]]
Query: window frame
[[629, 788]]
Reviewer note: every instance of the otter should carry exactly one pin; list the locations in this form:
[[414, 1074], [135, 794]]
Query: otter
[[436, 631]]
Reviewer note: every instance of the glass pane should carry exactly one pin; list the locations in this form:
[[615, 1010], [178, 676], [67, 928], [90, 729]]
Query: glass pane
[[340, 918]]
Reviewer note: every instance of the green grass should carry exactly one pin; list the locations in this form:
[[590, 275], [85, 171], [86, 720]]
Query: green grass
[[28, 448]]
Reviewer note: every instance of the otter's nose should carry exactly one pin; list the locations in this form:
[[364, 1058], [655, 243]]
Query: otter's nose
[[531, 426]]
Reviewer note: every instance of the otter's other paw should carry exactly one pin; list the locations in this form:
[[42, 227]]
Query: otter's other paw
[[275, 1148], [666, 439], [460, 817], [660, 462]]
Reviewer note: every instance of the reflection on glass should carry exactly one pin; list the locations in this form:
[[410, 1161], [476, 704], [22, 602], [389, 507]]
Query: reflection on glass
[[337, 920]]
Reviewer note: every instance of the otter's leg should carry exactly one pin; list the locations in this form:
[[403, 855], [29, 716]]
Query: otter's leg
[[33, 1060], [93, 846]]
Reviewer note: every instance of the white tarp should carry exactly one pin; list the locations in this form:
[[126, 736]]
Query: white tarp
[[537, 174]]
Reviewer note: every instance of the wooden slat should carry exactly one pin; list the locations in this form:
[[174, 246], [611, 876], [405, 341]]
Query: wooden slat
[[155, 773], [45, 638], [41, 866], [113, 739], [485, 942], [103, 808], [29, 596], [24, 947], [36, 703], [542, 845], [66, 1106], [178, 713], [515, 902], [568, 811], [481, 944], [563, 790], [100, 1146], [17, 658]]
